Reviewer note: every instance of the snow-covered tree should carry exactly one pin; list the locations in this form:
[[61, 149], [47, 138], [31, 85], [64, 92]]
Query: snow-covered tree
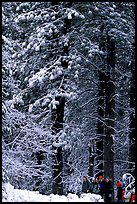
[[59, 88]]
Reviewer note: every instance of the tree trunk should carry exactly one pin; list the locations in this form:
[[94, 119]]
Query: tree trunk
[[100, 124], [91, 146], [40, 158], [100, 127], [57, 118], [132, 117], [109, 111]]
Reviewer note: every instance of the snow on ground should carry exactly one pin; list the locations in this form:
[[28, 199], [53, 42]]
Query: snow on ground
[[17, 195]]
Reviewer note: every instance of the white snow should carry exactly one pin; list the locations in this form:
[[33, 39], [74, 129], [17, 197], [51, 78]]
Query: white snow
[[59, 144], [30, 108], [17, 195], [51, 77]]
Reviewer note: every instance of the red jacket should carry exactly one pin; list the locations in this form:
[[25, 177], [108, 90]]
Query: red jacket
[[132, 198], [123, 194]]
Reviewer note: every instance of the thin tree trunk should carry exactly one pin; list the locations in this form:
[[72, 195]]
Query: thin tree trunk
[[57, 118], [132, 117], [109, 110], [100, 124], [40, 157], [91, 147]]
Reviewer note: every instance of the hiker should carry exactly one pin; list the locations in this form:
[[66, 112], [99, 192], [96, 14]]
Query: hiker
[[132, 195], [95, 186], [86, 186], [108, 190], [101, 182], [119, 192]]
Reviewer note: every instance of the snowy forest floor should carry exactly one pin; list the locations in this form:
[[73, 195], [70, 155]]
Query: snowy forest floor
[[9, 194]]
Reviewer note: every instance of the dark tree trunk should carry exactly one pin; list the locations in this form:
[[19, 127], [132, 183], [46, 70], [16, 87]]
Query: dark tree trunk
[[91, 147], [39, 156], [67, 25], [57, 118], [109, 110], [132, 117], [100, 124]]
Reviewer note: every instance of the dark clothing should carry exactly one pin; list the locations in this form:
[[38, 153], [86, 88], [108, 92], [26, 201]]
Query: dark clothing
[[95, 188], [119, 193], [86, 186], [108, 191], [102, 187]]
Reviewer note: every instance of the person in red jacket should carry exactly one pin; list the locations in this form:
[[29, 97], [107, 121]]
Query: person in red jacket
[[119, 192], [132, 195], [101, 182]]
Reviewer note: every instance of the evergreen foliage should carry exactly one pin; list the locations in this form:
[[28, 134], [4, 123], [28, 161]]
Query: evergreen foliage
[[53, 51]]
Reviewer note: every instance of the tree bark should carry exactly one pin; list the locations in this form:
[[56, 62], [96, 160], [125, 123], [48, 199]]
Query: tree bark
[[109, 111], [91, 147], [101, 102], [132, 117], [100, 127], [57, 118]]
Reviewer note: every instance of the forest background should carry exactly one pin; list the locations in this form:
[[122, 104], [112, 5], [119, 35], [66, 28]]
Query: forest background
[[68, 93]]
